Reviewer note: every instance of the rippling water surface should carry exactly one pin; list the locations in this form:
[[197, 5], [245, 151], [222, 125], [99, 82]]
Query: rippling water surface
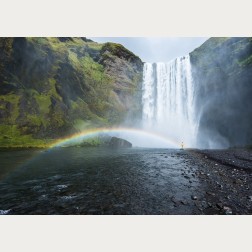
[[96, 181]]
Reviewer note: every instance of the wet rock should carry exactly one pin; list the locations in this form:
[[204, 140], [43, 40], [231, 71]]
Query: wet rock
[[4, 212], [210, 193], [193, 197], [93, 210], [204, 204], [219, 185], [249, 198], [175, 201], [237, 181], [227, 210], [184, 202], [119, 205], [116, 142], [219, 205]]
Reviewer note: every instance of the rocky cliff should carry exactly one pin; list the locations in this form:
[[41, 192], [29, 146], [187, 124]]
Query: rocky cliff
[[52, 87], [222, 73]]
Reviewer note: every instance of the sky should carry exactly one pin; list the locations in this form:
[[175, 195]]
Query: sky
[[156, 49]]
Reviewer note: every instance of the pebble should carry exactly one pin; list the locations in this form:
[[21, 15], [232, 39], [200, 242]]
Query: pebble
[[194, 197], [227, 210], [204, 204], [184, 202], [219, 205], [210, 193], [249, 198], [219, 185], [3, 212], [173, 200]]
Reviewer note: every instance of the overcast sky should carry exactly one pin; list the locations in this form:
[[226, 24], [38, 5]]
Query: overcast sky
[[156, 49]]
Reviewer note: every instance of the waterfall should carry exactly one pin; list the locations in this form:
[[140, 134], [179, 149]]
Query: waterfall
[[168, 100]]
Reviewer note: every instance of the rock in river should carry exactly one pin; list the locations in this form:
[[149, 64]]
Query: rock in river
[[116, 142]]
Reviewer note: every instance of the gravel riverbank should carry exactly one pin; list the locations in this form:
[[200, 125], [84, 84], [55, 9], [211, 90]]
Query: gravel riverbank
[[226, 177]]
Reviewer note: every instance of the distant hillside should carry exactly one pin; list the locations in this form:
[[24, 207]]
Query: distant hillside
[[51, 87]]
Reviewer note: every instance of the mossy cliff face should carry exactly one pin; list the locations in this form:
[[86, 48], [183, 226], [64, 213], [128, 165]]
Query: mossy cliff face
[[222, 73], [52, 87]]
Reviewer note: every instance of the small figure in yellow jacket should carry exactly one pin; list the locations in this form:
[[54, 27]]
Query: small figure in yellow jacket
[[182, 145]]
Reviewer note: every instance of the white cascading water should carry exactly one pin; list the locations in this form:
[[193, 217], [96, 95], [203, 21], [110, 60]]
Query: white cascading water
[[168, 100]]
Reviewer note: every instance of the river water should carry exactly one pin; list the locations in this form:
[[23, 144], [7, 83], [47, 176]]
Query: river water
[[97, 181]]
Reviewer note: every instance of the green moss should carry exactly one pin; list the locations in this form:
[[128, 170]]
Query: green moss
[[81, 96], [44, 102], [13, 99], [10, 136], [34, 120], [117, 49], [92, 142], [53, 92], [72, 56], [94, 46]]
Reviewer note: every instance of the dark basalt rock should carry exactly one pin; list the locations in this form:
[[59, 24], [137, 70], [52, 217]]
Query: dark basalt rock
[[116, 142]]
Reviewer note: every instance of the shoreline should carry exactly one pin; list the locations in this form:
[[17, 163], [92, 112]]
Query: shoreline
[[226, 179]]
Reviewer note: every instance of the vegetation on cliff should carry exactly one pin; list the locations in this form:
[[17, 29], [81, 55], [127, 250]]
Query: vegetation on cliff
[[52, 87]]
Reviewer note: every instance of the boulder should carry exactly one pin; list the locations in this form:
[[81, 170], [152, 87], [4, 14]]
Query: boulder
[[116, 142]]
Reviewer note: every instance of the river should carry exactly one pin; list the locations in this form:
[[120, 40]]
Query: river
[[96, 181]]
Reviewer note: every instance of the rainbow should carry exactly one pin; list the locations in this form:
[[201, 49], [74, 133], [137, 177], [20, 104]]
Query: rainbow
[[94, 132]]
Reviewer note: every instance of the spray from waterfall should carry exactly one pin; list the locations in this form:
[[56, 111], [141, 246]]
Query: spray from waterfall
[[168, 97]]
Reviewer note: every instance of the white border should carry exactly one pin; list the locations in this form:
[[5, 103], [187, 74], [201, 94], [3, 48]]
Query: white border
[[125, 18]]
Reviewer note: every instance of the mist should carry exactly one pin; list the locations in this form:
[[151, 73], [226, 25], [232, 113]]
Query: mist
[[222, 82]]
